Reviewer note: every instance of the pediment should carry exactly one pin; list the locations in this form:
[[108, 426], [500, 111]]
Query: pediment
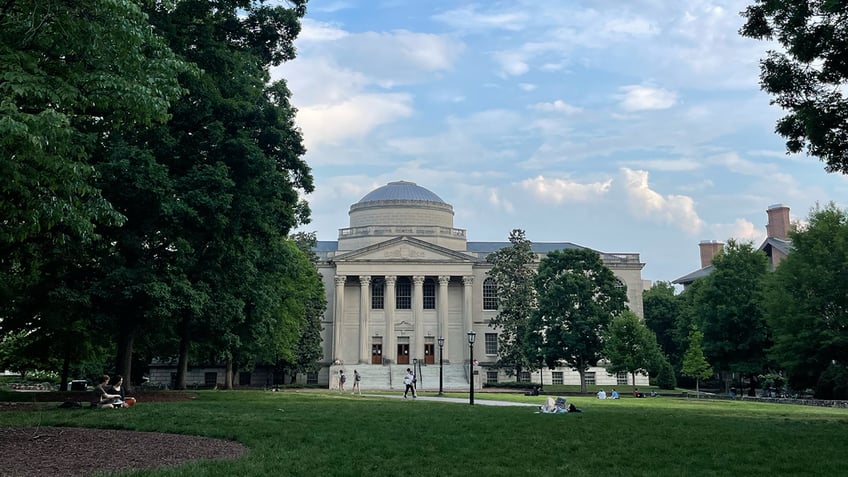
[[404, 249]]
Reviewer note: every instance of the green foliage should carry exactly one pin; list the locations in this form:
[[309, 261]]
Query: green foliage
[[513, 272], [833, 383], [577, 299], [631, 346], [806, 299], [695, 364], [662, 309], [807, 75], [665, 376], [728, 306]]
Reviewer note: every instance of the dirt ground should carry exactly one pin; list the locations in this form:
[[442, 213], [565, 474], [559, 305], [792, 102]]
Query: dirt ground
[[77, 452]]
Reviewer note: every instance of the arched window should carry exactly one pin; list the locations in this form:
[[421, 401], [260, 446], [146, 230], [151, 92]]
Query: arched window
[[403, 294], [490, 294], [429, 294], [378, 287]]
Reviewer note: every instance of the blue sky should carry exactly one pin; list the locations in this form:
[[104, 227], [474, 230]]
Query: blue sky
[[633, 126]]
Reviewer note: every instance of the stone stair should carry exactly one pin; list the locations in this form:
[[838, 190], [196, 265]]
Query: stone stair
[[390, 377]]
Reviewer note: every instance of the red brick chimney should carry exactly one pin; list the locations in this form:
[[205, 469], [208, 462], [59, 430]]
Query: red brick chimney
[[709, 249], [778, 222]]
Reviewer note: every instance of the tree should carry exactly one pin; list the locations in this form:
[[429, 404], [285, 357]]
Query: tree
[[808, 76], [695, 364], [513, 272], [736, 335], [662, 312], [806, 299], [577, 299], [631, 346]]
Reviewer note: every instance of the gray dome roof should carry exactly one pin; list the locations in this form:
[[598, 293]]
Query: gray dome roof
[[401, 190]]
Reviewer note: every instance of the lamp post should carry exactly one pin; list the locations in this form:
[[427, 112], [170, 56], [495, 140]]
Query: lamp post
[[471, 336], [441, 340]]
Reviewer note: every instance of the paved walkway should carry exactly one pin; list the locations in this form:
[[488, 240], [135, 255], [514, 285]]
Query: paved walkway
[[482, 402]]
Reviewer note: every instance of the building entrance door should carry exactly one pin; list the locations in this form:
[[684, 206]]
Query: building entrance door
[[429, 353], [403, 353], [377, 353]]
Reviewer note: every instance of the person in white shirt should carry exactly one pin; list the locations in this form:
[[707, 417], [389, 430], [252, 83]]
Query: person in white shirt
[[602, 394], [409, 381]]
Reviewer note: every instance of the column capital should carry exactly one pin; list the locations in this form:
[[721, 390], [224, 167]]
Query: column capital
[[391, 280], [340, 279], [444, 279], [468, 280], [365, 280], [418, 280]]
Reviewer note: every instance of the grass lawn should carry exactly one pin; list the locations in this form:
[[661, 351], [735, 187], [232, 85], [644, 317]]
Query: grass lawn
[[323, 433]]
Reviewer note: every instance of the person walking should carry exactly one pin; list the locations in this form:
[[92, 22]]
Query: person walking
[[409, 381], [356, 379], [342, 379]]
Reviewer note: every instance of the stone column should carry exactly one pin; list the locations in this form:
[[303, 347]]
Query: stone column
[[467, 297], [443, 312], [337, 317], [390, 348], [418, 315], [364, 312]]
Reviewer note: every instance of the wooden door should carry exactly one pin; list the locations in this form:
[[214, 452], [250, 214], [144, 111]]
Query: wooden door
[[429, 353], [377, 353], [403, 353]]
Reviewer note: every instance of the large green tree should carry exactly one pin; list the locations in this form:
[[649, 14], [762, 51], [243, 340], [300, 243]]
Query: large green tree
[[577, 299], [808, 75], [630, 346], [736, 335], [806, 299], [513, 271], [662, 312]]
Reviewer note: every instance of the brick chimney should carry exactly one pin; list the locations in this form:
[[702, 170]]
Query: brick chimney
[[778, 222], [709, 249]]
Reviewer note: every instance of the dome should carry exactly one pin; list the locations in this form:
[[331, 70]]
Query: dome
[[401, 190]]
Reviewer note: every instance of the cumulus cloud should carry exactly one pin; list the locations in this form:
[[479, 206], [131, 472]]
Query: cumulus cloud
[[499, 202], [558, 106], [356, 116], [560, 191], [742, 230], [647, 204], [638, 98]]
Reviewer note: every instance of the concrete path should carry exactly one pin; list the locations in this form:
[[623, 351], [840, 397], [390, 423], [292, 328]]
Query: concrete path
[[481, 402]]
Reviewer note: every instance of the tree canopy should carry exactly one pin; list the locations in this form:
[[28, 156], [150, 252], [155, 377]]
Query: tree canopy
[[695, 364], [578, 297], [808, 76], [630, 346], [806, 299], [513, 271]]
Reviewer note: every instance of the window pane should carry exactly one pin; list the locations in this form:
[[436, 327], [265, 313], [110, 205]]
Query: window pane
[[491, 377], [403, 294], [377, 293], [429, 294], [590, 377], [490, 294], [491, 343], [556, 377]]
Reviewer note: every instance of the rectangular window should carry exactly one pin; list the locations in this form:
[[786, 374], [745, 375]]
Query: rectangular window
[[210, 379], [590, 378], [377, 293], [429, 294], [312, 377], [621, 378], [492, 377], [556, 377], [403, 294], [490, 294], [491, 343], [524, 377]]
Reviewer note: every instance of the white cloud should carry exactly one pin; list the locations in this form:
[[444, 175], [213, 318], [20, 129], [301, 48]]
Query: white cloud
[[638, 98], [527, 86], [647, 204], [469, 18], [354, 117], [499, 202], [742, 230], [630, 26], [561, 191], [669, 165], [558, 106]]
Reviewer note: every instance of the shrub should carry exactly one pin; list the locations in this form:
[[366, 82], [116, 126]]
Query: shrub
[[833, 383], [665, 376]]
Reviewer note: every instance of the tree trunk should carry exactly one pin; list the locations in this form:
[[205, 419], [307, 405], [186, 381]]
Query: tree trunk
[[63, 377], [182, 364], [752, 391], [228, 377], [698, 387], [124, 361], [583, 388]]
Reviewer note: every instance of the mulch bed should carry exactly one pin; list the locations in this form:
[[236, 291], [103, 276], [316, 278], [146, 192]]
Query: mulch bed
[[75, 452]]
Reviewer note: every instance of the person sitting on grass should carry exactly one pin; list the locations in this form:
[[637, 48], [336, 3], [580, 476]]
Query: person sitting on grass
[[102, 398], [117, 387], [614, 394]]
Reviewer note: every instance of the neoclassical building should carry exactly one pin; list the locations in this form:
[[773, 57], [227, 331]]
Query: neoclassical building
[[401, 275]]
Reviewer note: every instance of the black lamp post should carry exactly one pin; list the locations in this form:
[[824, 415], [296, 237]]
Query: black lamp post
[[441, 340], [415, 373], [471, 336]]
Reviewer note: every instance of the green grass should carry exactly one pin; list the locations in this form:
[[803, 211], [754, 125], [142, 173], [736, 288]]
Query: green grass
[[324, 433]]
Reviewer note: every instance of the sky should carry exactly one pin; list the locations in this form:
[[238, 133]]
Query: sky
[[625, 127]]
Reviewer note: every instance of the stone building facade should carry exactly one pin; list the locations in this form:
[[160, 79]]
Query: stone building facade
[[401, 275]]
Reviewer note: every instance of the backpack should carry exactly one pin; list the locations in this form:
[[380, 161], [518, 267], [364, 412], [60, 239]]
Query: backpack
[[358, 377]]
